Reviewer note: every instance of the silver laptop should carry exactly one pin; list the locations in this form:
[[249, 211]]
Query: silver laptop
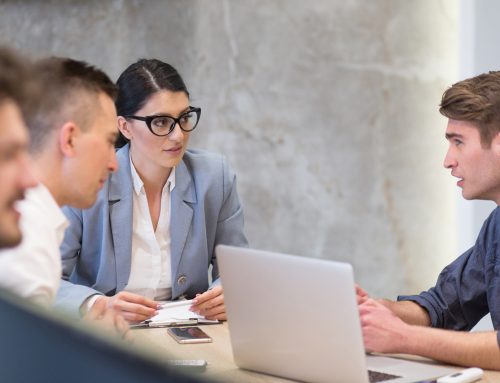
[[297, 318]]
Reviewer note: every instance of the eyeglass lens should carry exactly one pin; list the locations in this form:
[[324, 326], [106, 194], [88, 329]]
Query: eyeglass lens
[[163, 125]]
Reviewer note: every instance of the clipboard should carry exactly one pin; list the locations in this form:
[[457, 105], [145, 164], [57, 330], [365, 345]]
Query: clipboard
[[175, 314]]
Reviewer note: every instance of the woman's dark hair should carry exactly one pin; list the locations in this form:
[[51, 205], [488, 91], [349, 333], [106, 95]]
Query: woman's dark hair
[[139, 82]]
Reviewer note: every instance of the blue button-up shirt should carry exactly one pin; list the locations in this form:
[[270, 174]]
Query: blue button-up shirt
[[468, 288]]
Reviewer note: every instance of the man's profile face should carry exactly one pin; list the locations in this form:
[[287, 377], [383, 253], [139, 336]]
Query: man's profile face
[[95, 153], [477, 168], [15, 171]]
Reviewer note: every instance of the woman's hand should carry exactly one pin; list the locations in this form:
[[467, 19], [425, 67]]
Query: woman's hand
[[210, 304], [134, 308]]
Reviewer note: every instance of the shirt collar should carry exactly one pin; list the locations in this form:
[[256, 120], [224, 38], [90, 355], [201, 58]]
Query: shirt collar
[[138, 184], [41, 196]]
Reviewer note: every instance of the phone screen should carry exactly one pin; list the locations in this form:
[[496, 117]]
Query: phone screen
[[189, 335]]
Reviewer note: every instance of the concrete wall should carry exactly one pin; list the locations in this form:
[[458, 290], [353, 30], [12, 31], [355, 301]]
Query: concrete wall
[[327, 110]]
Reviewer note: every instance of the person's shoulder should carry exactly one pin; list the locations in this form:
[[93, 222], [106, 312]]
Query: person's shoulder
[[208, 169], [200, 155], [491, 227], [198, 160], [494, 216]]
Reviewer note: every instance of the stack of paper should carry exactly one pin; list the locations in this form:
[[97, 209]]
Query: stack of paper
[[177, 314]]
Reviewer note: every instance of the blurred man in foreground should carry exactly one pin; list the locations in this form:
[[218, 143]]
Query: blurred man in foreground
[[35, 225]]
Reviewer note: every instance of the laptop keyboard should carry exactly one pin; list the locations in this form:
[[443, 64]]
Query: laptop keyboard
[[375, 376]]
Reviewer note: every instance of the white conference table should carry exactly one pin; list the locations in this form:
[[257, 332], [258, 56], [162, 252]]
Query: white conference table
[[218, 355]]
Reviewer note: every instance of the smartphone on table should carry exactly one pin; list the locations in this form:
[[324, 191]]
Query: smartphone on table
[[189, 335]]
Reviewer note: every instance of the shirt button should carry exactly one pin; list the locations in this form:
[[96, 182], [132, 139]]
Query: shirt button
[[181, 280]]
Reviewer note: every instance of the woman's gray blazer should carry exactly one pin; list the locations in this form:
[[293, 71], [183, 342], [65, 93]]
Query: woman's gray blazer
[[205, 211]]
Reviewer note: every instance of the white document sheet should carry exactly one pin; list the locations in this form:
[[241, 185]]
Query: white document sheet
[[177, 313]]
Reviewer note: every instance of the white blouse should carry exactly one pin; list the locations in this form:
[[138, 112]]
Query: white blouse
[[150, 273]]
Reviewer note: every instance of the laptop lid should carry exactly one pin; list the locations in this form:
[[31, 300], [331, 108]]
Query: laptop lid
[[291, 316], [297, 317]]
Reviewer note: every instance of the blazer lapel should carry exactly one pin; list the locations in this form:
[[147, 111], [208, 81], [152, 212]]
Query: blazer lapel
[[120, 215], [182, 198]]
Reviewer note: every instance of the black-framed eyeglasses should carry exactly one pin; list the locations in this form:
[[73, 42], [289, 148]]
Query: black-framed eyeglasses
[[163, 125]]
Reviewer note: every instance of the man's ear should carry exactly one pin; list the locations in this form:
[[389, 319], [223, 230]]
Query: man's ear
[[68, 134], [124, 127]]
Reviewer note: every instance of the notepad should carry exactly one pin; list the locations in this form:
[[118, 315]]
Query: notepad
[[177, 314]]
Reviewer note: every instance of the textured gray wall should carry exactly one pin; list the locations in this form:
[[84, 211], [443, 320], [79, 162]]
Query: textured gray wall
[[327, 110]]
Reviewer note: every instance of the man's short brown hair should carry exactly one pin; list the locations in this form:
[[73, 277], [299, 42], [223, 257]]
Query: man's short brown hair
[[69, 92], [475, 100]]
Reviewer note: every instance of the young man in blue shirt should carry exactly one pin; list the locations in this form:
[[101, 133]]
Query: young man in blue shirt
[[435, 323]]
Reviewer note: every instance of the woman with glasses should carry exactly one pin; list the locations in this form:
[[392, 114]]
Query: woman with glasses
[[151, 235]]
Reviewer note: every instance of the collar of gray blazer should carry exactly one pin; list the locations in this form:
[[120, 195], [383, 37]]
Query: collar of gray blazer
[[120, 196]]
